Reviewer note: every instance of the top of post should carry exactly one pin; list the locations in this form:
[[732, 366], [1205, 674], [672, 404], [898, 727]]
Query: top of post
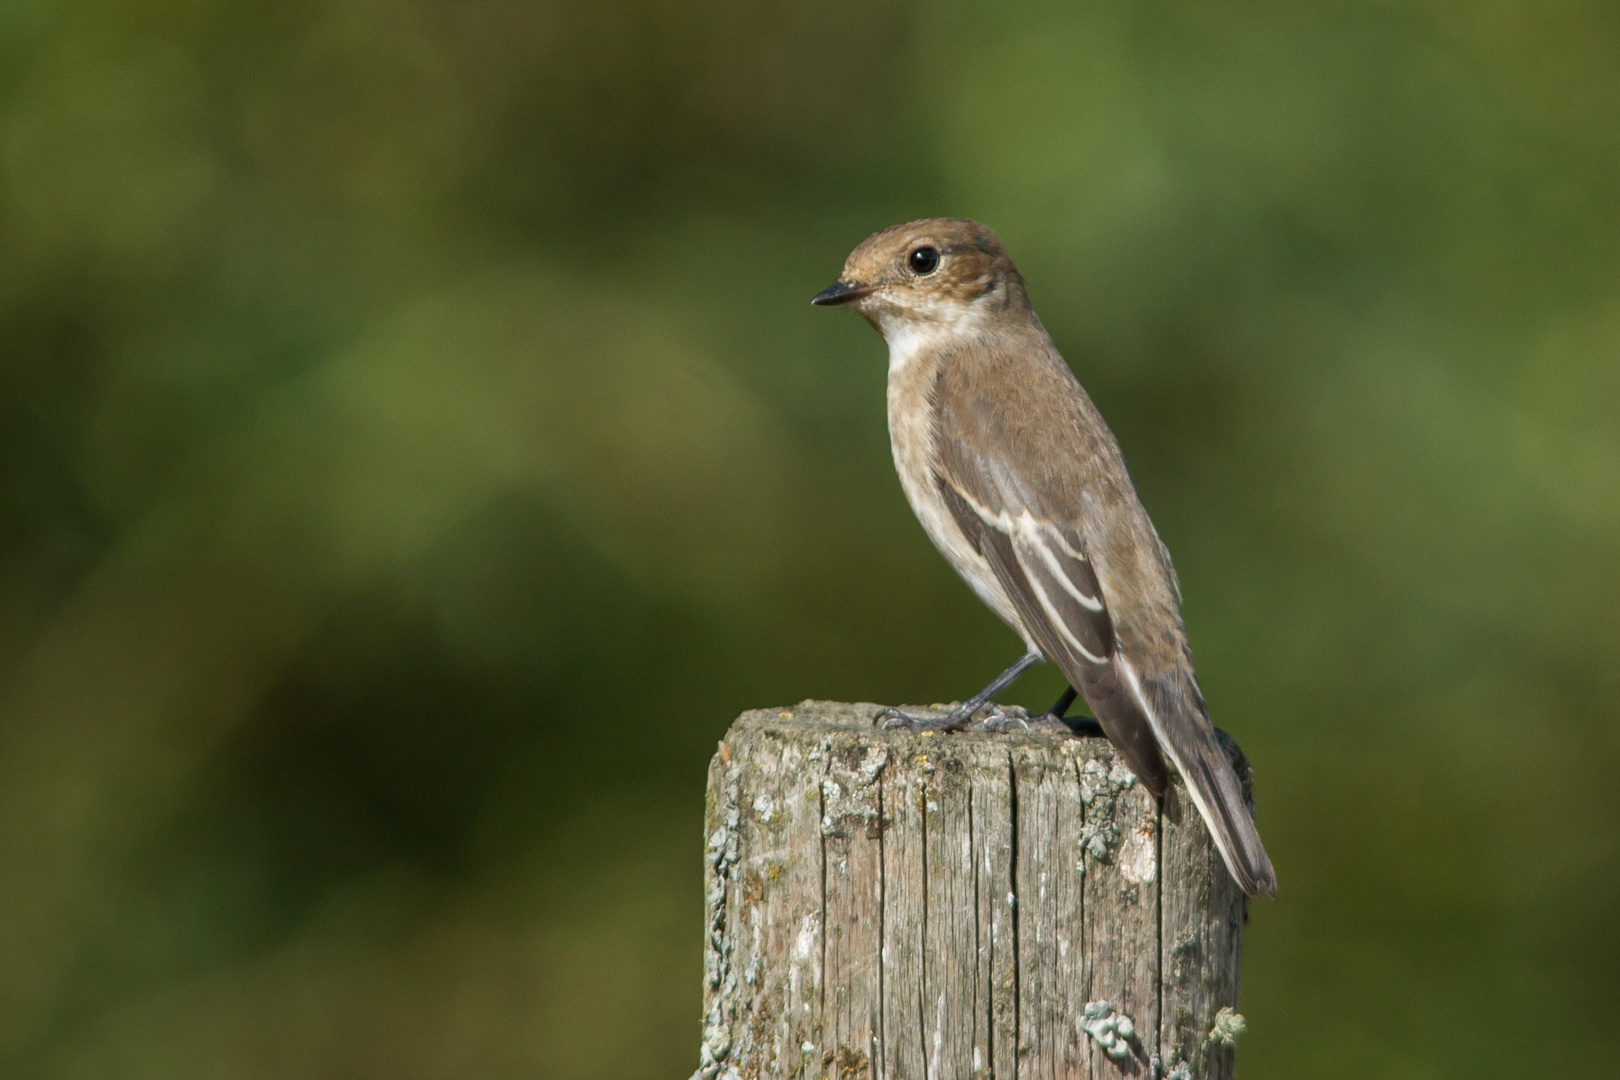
[[858, 721]]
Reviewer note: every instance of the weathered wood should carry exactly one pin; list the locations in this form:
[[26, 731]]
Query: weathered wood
[[1199, 946], [894, 905], [852, 895], [1050, 888], [762, 966]]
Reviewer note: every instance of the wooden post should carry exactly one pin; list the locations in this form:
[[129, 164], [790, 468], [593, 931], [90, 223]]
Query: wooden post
[[896, 905]]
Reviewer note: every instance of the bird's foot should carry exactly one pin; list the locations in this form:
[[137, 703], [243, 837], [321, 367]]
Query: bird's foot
[[1005, 718], [892, 719], [1057, 717], [993, 719], [1014, 718]]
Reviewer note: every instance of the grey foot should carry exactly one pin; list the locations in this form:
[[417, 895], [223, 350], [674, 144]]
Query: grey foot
[[1013, 718], [955, 720], [1005, 718]]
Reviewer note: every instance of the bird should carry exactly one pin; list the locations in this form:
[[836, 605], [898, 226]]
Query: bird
[[1020, 484]]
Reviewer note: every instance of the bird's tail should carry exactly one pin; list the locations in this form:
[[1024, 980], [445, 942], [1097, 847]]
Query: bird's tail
[[1181, 724]]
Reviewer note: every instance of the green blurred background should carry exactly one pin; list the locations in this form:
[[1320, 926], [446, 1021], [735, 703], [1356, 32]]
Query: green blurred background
[[416, 445]]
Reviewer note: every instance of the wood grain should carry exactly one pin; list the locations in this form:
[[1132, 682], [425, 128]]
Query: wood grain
[[895, 905]]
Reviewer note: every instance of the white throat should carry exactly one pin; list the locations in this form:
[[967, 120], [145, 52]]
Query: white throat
[[916, 329]]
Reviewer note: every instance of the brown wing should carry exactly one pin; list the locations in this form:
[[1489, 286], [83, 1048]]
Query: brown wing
[[1054, 591], [1017, 488]]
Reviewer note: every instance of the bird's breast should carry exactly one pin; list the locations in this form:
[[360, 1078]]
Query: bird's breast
[[911, 435]]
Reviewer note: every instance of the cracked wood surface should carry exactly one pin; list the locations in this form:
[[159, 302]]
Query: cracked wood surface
[[896, 905]]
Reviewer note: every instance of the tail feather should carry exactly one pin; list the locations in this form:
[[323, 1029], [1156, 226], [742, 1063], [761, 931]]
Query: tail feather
[[1188, 739], [1215, 791]]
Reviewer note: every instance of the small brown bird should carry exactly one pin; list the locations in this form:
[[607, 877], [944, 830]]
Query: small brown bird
[[1020, 484]]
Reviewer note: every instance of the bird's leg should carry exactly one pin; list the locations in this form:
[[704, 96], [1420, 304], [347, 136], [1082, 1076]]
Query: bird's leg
[[959, 717], [1080, 725]]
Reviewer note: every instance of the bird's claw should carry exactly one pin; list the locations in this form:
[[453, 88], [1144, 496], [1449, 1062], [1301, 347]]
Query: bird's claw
[[892, 719], [1004, 718], [994, 719]]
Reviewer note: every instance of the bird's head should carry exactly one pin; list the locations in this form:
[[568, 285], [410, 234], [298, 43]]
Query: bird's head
[[928, 275]]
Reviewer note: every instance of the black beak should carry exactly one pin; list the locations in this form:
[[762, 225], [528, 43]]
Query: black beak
[[840, 292]]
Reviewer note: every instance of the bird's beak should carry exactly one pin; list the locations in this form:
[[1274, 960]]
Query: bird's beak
[[841, 292]]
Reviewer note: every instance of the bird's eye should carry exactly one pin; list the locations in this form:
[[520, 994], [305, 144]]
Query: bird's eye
[[925, 260]]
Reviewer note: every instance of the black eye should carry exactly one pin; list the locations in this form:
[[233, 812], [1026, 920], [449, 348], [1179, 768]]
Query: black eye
[[925, 260]]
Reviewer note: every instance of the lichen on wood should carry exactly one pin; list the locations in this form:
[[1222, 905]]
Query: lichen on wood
[[902, 905]]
